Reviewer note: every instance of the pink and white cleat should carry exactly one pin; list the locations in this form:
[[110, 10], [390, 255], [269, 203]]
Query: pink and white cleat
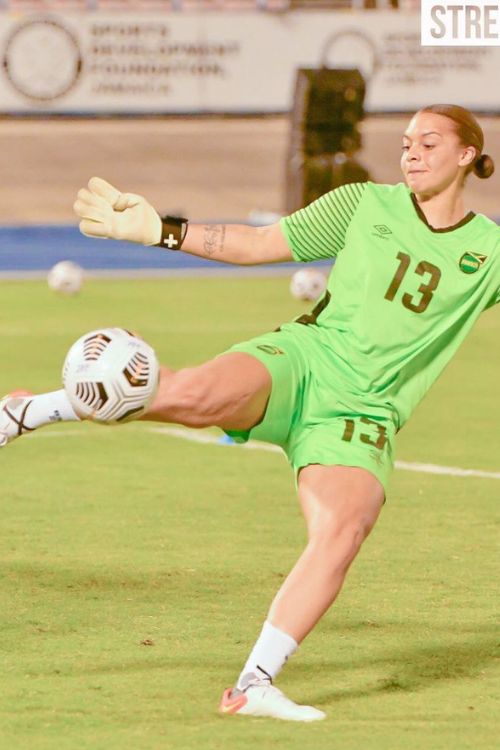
[[261, 698]]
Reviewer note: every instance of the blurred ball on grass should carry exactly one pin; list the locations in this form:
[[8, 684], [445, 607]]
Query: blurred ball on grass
[[66, 278]]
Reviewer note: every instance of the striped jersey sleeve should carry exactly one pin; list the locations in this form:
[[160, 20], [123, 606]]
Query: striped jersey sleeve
[[319, 230]]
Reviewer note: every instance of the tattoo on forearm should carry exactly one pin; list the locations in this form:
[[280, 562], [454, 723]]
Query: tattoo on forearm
[[213, 241]]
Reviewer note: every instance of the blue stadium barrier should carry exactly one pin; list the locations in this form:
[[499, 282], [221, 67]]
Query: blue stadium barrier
[[38, 248]]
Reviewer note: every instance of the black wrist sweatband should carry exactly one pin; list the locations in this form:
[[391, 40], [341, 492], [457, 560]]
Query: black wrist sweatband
[[173, 231]]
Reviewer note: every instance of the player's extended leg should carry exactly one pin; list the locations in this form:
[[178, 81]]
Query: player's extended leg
[[341, 505], [230, 391]]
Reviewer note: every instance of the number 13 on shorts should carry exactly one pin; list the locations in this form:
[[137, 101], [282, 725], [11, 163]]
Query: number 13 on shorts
[[377, 436]]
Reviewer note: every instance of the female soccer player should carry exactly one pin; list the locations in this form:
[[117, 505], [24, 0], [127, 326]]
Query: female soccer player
[[414, 271]]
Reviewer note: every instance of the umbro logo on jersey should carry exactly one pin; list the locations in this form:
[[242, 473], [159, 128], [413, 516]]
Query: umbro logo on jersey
[[382, 231], [471, 262]]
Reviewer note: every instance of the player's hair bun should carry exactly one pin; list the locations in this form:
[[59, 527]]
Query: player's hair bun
[[484, 166]]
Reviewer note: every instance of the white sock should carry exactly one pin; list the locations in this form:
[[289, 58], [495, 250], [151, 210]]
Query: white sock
[[47, 408], [269, 655]]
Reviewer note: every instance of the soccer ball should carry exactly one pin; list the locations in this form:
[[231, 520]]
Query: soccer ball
[[65, 277], [110, 375], [308, 284]]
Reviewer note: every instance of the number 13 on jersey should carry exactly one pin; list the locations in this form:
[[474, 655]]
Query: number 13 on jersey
[[426, 289]]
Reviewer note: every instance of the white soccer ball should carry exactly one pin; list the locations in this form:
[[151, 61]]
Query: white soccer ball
[[308, 284], [65, 277], [110, 375]]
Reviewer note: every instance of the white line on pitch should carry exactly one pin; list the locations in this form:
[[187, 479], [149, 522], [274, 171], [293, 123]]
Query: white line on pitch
[[254, 445], [455, 471], [193, 436], [200, 437], [55, 434]]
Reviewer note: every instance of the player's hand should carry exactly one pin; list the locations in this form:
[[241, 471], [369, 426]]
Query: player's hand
[[105, 212]]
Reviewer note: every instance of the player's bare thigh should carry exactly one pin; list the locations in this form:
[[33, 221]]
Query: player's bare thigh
[[230, 391], [341, 505], [338, 496]]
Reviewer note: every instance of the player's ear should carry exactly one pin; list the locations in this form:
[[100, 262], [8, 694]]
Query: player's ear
[[467, 156]]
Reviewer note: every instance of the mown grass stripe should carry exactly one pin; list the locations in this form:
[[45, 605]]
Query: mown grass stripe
[[195, 436]]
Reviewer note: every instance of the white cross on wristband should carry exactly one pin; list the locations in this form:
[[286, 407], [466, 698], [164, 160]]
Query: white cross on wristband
[[170, 241], [173, 231]]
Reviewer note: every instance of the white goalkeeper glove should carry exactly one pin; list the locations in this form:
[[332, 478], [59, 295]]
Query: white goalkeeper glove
[[107, 213]]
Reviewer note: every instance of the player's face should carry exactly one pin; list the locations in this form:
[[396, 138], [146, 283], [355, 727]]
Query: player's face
[[433, 157]]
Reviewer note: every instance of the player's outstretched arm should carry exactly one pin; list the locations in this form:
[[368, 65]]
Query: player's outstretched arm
[[105, 212]]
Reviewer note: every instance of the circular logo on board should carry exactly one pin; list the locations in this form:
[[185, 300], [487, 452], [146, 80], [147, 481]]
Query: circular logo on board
[[351, 48], [42, 59]]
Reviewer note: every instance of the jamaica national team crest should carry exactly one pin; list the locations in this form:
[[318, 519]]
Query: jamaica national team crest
[[471, 262]]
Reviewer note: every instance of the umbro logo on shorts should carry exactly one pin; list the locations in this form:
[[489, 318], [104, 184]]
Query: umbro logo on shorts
[[377, 457], [268, 349]]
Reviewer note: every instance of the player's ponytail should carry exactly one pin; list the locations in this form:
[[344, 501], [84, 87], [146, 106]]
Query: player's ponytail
[[470, 133]]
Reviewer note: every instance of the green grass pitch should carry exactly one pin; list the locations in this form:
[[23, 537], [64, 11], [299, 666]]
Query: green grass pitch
[[136, 568]]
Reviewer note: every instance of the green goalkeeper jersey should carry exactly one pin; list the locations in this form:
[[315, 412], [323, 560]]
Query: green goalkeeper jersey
[[401, 296]]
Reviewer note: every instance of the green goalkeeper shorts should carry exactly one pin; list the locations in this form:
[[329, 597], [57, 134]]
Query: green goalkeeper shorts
[[310, 414]]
